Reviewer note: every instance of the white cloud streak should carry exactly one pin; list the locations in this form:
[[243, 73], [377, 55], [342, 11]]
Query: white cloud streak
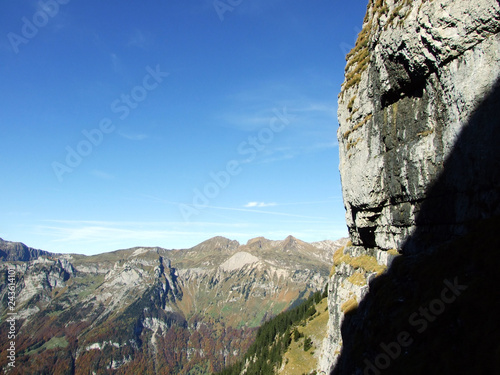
[[264, 212], [133, 136], [259, 204], [113, 234]]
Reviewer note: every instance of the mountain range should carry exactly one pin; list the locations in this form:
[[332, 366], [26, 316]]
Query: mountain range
[[190, 311]]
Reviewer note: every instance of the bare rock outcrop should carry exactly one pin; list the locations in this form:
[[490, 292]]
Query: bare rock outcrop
[[413, 83], [419, 163]]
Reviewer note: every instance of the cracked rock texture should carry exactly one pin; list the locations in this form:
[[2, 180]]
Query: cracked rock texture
[[413, 82], [418, 139]]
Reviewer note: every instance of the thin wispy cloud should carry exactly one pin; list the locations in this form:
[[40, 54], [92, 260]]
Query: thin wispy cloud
[[256, 8], [334, 199], [133, 136], [101, 174], [57, 20], [237, 209], [278, 154], [311, 126], [231, 122], [115, 62], [264, 212], [113, 234], [325, 145], [319, 107], [286, 153], [248, 121], [149, 224], [139, 39], [259, 204], [99, 236], [252, 108], [98, 239]]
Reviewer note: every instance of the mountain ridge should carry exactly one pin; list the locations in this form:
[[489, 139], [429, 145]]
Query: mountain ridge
[[18, 251], [10, 251], [122, 308]]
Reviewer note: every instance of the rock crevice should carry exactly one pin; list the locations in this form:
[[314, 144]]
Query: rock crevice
[[418, 142], [428, 69]]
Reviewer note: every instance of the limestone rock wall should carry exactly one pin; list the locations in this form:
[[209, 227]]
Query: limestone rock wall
[[354, 268], [413, 81], [418, 139]]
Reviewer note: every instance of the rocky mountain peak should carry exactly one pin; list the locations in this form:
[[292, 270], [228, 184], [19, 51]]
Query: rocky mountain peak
[[292, 243], [257, 242], [17, 251], [186, 307], [217, 243]]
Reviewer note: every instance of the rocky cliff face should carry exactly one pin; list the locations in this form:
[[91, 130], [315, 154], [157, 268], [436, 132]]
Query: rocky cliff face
[[417, 74], [419, 161]]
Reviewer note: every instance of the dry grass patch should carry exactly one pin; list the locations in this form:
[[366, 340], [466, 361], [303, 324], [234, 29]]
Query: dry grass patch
[[393, 252], [357, 278], [366, 262], [425, 133], [353, 144], [338, 255], [349, 305], [357, 126], [351, 103]]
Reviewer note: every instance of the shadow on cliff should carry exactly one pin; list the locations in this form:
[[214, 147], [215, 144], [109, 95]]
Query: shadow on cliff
[[436, 310]]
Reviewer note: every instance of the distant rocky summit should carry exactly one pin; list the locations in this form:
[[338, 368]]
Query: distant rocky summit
[[419, 144], [152, 310], [17, 251]]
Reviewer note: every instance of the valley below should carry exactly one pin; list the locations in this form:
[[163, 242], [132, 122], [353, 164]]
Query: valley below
[[152, 310]]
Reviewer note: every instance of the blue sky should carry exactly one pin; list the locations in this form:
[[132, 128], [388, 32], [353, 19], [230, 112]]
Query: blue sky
[[166, 123]]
